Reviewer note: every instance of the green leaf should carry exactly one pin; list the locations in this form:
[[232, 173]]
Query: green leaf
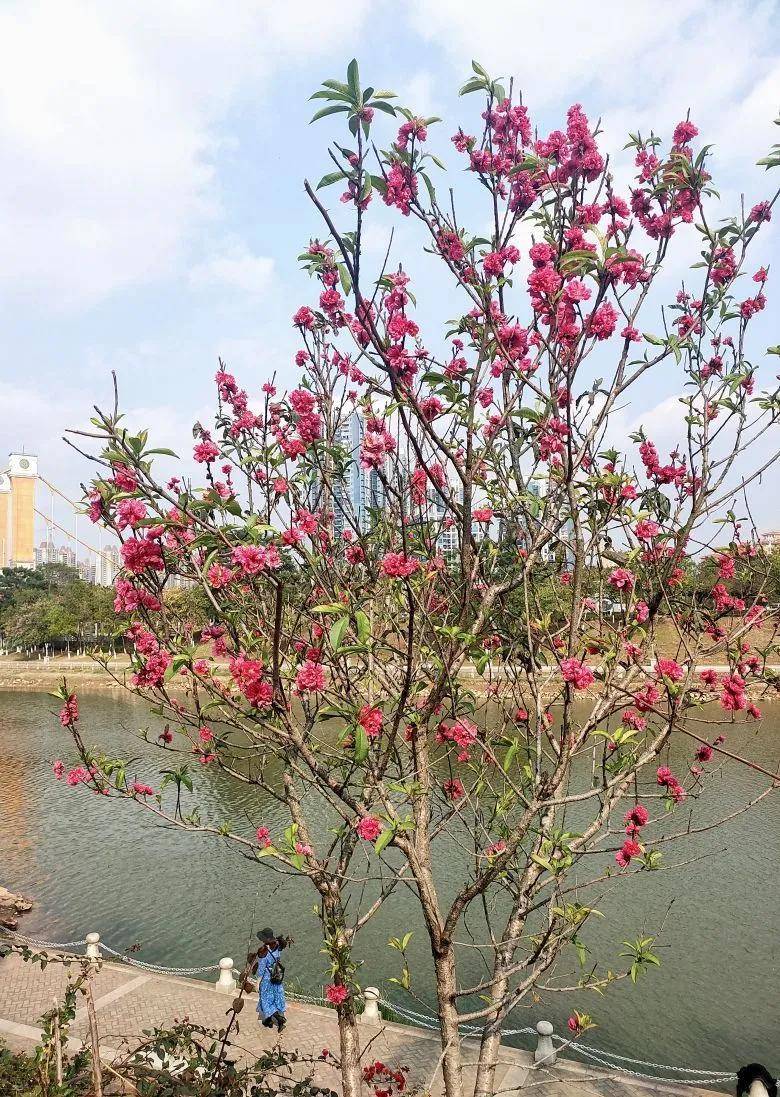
[[363, 626], [384, 840], [361, 744], [329, 607], [333, 177], [337, 632], [332, 96], [344, 278], [335, 109], [353, 79], [386, 108]]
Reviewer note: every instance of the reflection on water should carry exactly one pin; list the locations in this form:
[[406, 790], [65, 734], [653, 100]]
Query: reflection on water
[[187, 901]]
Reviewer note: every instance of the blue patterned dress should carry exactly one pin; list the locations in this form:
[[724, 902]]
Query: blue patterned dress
[[270, 997]]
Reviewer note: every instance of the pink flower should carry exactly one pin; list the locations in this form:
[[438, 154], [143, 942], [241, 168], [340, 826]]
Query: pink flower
[[141, 553], [641, 612], [254, 558], [310, 678], [602, 322], [219, 576], [335, 993], [396, 565], [370, 719], [205, 452], [369, 828], [636, 817], [684, 132], [670, 669], [646, 530], [453, 789], [629, 849], [576, 673], [129, 513], [139, 789], [263, 836], [622, 579], [304, 318], [124, 478], [733, 698], [248, 675], [58, 769], [760, 212], [482, 514], [69, 713]]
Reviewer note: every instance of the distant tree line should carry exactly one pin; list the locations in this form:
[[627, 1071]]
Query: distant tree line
[[51, 604]]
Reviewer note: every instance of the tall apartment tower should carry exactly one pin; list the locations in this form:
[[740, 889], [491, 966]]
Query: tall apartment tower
[[360, 490], [17, 508]]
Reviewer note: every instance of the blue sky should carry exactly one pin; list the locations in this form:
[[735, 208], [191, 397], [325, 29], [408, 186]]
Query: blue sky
[[151, 202]]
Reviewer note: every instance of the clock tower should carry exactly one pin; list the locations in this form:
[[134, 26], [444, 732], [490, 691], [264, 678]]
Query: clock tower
[[22, 473]]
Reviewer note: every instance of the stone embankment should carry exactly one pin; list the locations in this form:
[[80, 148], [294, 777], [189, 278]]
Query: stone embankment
[[11, 906]]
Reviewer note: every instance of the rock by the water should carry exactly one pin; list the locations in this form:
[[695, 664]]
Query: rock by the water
[[11, 906]]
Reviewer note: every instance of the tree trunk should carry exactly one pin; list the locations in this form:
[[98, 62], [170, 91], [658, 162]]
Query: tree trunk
[[349, 1041], [446, 987]]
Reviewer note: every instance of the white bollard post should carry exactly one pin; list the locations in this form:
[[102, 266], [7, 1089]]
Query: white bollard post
[[545, 1054], [93, 946], [226, 984], [371, 1012]]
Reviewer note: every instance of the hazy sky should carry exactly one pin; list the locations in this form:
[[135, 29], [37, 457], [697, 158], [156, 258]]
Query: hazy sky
[[151, 203]]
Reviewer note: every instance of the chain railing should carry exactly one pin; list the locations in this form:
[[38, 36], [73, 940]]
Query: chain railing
[[545, 1053]]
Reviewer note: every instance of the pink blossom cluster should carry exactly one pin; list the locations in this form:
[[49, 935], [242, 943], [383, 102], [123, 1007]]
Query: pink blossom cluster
[[370, 719], [69, 713], [576, 673], [248, 676], [397, 565], [462, 732], [252, 559], [369, 828], [666, 779], [310, 678], [142, 553]]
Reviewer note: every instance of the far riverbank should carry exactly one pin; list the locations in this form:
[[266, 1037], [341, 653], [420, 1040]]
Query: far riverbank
[[86, 675]]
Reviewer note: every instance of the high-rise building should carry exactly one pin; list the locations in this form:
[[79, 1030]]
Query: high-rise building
[[107, 564], [359, 490], [46, 553]]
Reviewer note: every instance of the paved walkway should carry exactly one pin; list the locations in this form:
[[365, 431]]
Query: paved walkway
[[127, 1002]]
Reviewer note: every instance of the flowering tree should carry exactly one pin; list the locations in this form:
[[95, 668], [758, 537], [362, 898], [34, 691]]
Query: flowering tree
[[493, 637]]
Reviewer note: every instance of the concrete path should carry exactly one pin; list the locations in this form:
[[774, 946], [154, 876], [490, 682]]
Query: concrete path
[[127, 1002]]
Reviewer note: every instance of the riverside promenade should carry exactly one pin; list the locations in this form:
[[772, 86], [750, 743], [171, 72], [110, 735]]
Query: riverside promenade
[[129, 1000]]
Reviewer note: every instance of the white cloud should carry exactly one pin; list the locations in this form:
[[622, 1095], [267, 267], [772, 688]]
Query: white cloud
[[109, 122], [237, 268]]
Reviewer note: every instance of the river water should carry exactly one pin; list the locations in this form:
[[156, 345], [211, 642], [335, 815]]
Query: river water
[[91, 865]]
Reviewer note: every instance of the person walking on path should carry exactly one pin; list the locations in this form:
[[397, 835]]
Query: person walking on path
[[271, 1004]]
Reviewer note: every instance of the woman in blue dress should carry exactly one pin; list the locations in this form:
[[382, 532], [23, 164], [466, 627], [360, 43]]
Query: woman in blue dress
[[271, 1004]]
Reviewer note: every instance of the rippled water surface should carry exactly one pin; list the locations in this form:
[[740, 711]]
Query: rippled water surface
[[92, 865]]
